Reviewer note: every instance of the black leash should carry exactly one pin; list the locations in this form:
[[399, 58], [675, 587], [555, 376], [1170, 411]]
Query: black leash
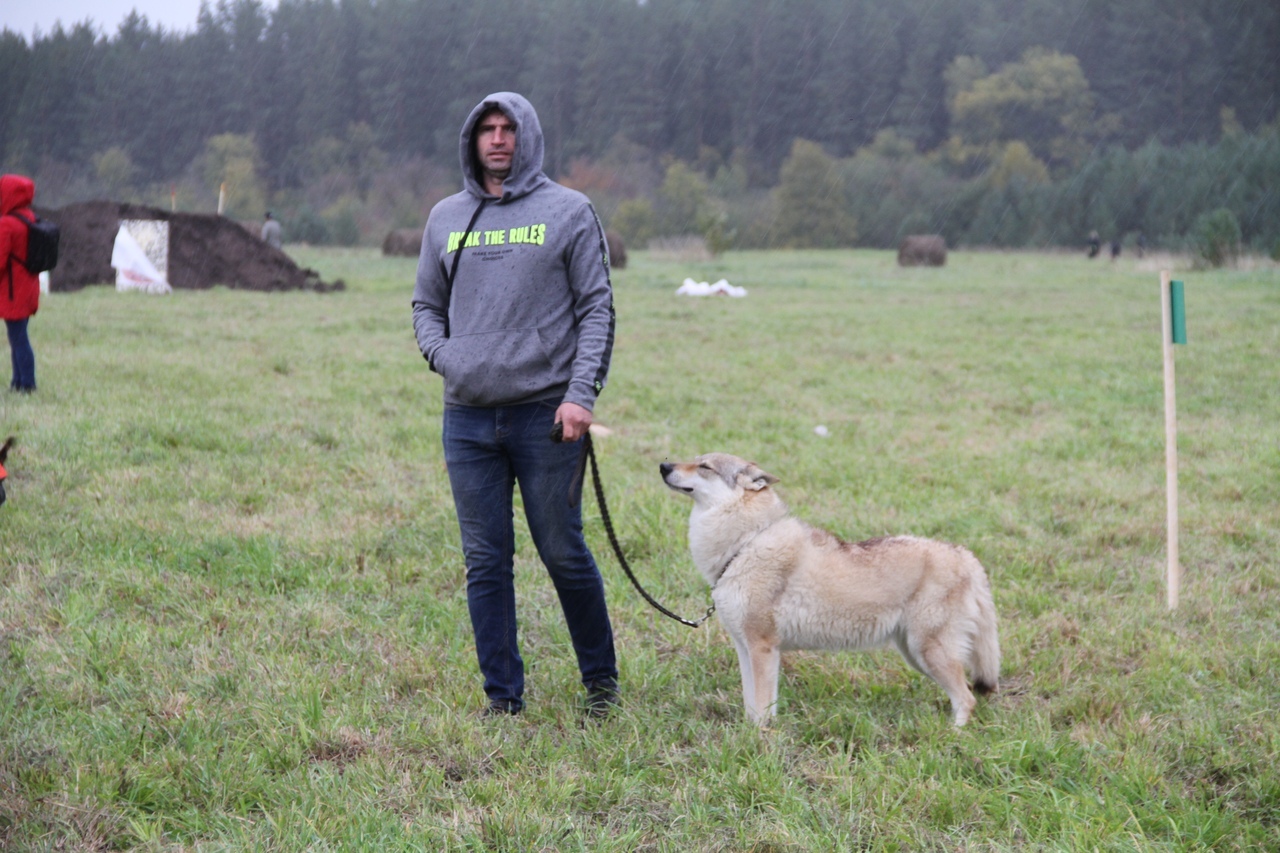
[[589, 455]]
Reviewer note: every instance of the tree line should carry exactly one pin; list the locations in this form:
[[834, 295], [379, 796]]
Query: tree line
[[346, 113]]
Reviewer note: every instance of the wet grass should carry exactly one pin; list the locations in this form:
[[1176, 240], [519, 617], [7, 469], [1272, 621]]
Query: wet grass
[[232, 611]]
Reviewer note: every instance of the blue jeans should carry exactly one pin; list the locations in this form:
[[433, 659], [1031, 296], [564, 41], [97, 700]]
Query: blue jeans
[[24, 358], [488, 451]]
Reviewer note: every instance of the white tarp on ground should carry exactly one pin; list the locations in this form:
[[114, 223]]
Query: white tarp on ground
[[141, 256], [701, 288]]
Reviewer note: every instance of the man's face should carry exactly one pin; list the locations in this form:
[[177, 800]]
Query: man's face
[[495, 139]]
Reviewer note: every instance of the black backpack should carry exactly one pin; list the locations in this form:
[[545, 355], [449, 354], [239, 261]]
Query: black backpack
[[42, 244]]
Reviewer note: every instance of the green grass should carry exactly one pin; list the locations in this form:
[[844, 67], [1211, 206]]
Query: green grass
[[232, 610]]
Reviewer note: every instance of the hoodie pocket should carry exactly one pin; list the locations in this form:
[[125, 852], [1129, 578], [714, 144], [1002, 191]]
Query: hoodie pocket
[[492, 368]]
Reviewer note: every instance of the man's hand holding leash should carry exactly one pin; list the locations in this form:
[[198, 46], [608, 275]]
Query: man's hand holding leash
[[573, 421]]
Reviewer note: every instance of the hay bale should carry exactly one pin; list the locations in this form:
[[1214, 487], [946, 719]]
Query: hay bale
[[403, 243], [617, 250], [922, 250]]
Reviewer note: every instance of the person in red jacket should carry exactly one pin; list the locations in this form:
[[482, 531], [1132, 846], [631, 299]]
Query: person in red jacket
[[19, 289]]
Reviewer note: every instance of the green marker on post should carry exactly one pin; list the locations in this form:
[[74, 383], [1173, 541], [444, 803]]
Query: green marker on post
[[1173, 320], [1178, 312]]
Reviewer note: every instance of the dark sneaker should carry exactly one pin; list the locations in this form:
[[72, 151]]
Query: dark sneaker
[[602, 699], [499, 708]]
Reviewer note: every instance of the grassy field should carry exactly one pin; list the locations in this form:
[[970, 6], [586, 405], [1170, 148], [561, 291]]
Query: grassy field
[[232, 609]]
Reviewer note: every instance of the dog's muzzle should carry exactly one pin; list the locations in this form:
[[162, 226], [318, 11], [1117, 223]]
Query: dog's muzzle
[[666, 469]]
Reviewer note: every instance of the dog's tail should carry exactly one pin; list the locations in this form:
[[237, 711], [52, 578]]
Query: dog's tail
[[985, 660]]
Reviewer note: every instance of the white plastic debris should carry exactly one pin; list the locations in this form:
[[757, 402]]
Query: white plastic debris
[[701, 288], [821, 431], [134, 268]]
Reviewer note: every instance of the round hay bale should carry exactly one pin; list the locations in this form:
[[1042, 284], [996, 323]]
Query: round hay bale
[[403, 243], [922, 250], [617, 250]]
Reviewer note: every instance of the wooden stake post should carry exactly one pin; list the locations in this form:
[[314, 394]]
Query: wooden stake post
[[1174, 332]]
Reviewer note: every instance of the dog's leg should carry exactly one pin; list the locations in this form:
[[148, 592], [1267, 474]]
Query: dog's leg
[[948, 671], [900, 640], [748, 680], [766, 659]]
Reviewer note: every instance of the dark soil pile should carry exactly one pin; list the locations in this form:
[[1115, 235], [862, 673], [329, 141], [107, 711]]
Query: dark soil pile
[[204, 250]]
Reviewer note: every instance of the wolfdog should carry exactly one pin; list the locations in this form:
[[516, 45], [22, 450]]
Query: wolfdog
[[780, 584]]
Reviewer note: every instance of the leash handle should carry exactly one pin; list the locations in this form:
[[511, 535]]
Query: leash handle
[[589, 452]]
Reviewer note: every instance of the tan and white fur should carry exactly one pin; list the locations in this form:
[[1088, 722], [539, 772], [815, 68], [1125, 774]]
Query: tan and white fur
[[780, 584]]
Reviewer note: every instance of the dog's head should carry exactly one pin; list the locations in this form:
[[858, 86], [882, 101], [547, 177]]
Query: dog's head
[[715, 478]]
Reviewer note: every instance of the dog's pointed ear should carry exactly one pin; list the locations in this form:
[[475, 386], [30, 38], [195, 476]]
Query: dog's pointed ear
[[757, 478]]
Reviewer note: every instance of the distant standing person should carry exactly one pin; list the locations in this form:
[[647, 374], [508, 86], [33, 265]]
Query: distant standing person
[[272, 233], [523, 337], [19, 288]]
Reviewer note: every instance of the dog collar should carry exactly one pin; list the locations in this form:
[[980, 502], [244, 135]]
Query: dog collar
[[728, 563], [738, 553]]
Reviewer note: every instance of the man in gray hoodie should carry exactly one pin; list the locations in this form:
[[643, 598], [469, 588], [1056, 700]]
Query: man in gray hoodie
[[514, 309]]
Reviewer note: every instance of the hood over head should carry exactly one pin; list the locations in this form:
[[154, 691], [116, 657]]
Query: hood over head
[[16, 192], [526, 166]]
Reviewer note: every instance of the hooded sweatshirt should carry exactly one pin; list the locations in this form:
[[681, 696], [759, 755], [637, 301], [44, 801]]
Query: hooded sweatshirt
[[530, 316], [19, 289]]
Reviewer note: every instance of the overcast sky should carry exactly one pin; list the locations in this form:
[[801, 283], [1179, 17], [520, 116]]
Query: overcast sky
[[25, 16]]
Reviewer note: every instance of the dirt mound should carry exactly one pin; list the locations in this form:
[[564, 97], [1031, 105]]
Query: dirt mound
[[204, 250]]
